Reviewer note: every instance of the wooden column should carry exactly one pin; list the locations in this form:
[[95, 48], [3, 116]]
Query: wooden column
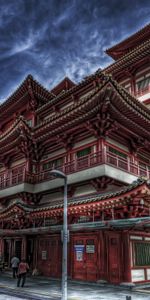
[[103, 149], [126, 258], [1, 247], [28, 165], [24, 248], [35, 253], [102, 262]]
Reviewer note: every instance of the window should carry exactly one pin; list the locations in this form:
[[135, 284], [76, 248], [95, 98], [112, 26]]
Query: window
[[112, 150], [56, 163], [84, 152], [142, 254], [143, 84], [29, 122], [83, 219]]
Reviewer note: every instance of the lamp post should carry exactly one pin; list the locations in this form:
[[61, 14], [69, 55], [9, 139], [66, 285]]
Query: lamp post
[[60, 174]]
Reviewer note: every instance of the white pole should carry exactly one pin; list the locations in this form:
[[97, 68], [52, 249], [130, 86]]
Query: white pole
[[60, 174], [65, 241]]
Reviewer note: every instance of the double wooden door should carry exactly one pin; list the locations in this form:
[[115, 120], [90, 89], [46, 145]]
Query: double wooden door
[[85, 256], [49, 256]]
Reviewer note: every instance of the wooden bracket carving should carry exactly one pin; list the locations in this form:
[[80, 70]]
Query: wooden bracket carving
[[66, 140], [31, 199], [101, 183]]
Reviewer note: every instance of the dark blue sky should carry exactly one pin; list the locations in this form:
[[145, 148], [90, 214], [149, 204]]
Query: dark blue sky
[[51, 39]]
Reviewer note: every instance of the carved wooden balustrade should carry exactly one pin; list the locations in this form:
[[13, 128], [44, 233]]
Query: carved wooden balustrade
[[82, 163]]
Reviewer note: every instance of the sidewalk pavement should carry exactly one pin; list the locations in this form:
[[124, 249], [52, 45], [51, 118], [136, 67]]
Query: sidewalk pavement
[[42, 288]]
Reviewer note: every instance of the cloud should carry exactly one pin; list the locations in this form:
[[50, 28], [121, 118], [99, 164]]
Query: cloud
[[51, 38]]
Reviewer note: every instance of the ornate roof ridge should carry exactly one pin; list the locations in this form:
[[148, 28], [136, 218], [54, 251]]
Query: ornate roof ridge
[[135, 103], [69, 108], [42, 87], [78, 200], [133, 53], [131, 100], [97, 196], [65, 80], [18, 203], [82, 83], [13, 127], [137, 35], [108, 195], [15, 93], [21, 90]]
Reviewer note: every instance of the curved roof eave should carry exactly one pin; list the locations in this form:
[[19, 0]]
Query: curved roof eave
[[133, 109]]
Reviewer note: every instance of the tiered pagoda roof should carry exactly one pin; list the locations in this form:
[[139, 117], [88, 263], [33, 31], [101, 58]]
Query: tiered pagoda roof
[[132, 58], [29, 90], [63, 86], [130, 43], [106, 100]]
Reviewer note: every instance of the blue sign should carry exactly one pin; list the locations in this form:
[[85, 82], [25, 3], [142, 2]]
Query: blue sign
[[79, 248]]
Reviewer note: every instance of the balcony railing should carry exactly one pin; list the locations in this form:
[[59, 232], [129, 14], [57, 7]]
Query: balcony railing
[[143, 91], [79, 164]]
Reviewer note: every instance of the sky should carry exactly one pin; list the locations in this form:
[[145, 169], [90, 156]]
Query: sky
[[51, 39]]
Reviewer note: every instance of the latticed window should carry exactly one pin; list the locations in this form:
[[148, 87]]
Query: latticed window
[[112, 150], [53, 164], [143, 84], [142, 254], [84, 152]]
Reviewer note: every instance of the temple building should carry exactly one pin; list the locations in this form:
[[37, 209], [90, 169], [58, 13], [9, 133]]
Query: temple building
[[98, 133]]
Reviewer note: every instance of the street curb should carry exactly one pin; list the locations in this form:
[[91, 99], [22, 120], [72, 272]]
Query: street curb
[[25, 295]]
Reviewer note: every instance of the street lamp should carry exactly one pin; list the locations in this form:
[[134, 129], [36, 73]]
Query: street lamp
[[60, 174]]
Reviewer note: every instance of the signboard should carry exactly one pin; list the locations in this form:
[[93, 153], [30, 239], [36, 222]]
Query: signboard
[[79, 249], [44, 255], [90, 248], [79, 256]]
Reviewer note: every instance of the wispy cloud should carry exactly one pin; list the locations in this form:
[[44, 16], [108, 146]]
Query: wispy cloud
[[51, 38]]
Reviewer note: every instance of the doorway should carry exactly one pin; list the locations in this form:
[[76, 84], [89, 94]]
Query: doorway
[[7, 252], [85, 254], [18, 248]]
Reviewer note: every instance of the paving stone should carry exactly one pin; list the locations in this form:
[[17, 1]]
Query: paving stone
[[44, 288]]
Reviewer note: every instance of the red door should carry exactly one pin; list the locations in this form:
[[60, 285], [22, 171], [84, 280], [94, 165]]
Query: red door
[[55, 251], [113, 253], [49, 256], [85, 258]]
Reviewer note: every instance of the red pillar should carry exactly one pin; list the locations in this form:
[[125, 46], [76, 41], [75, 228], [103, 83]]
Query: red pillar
[[126, 258], [24, 248], [102, 262], [1, 247]]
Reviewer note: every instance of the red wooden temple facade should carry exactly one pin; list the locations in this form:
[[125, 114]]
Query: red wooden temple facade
[[98, 133]]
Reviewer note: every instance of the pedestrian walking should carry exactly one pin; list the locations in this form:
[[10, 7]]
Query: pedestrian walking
[[14, 264], [22, 271]]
